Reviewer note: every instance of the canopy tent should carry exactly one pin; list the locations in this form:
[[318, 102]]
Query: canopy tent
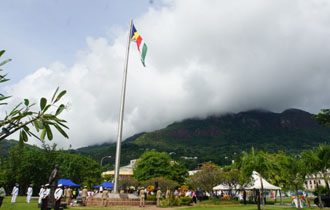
[[108, 185], [68, 183], [225, 187], [255, 184]]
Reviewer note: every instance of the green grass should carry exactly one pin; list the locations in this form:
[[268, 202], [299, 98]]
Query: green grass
[[21, 205]]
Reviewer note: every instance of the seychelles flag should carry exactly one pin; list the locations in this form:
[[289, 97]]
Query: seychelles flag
[[142, 47]]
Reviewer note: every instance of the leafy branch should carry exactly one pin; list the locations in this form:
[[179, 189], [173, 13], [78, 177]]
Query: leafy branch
[[21, 116]]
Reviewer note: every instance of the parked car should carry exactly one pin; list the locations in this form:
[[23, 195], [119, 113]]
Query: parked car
[[325, 200]]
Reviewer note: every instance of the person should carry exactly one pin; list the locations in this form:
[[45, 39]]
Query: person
[[84, 195], [158, 196], [2, 194], [142, 197], [101, 189], [168, 193], [104, 197], [58, 196], [14, 193], [194, 198], [42, 188], [68, 196], [45, 197], [244, 197], [29, 193]]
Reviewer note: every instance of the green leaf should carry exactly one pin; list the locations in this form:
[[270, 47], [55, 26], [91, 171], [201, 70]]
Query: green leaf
[[35, 124], [61, 131], [15, 109], [43, 134], [47, 107], [26, 102], [40, 124], [60, 109], [60, 96], [4, 62], [58, 122], [2, 52], [55, 94], [43, 103], [49, 131], [25, 137], [26, 128]]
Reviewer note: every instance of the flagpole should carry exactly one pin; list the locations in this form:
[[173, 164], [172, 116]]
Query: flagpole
[[121, 116]]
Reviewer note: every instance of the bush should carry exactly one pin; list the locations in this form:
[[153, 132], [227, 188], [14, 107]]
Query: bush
[[151, 198], [186, 200], [172, 201]]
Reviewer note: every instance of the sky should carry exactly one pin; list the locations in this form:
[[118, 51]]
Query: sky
[[205, 57]]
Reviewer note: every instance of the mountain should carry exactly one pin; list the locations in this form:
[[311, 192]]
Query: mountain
[[221, 139]]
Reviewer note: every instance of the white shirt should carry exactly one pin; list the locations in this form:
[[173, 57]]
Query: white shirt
[[15, 191], [30, 191], [58, 193], [45, 193]]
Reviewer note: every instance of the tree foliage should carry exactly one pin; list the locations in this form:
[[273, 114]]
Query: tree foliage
[[209, 176], [22, 117], [26, 165], [158, 164]]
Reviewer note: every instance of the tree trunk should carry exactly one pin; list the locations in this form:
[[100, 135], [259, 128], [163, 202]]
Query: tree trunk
[[297, 198], [326, 180], [262, 193], [281, 201], [319, 194]]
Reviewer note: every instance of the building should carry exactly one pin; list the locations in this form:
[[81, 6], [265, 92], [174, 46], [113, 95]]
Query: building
[[313, 180], [124, 172]]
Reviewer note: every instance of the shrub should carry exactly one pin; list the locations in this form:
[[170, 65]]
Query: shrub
[[172, 201], [151, 198], [186, 200]]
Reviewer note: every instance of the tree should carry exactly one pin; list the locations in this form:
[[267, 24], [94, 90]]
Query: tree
[[294, 171], [256, 161], [323, 117], [318, 161], [32, 165], [209, 176], [158, 164], [231, 177], [22, 117], [163, 183]]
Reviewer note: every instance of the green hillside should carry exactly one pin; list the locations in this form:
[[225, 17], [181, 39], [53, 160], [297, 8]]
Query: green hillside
[[222, 138], [219, 139]]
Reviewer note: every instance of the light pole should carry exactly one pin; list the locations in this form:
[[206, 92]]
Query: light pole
[[108, 156]]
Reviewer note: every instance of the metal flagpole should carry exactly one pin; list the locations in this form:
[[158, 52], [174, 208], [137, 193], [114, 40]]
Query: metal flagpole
[[121, 116]]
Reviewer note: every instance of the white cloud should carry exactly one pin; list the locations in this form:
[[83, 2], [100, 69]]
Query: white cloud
[[205, 57]]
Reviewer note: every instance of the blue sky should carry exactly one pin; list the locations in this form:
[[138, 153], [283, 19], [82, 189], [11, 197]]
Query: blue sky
[[205, 57], [37, 33]]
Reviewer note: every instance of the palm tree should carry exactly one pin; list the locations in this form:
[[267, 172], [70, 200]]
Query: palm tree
[[318, 161], [259, 162]]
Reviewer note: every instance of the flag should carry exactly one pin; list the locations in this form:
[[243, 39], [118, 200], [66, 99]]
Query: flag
[[142, 47]]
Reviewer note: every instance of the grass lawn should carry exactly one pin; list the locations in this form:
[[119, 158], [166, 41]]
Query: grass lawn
[[21, 205]]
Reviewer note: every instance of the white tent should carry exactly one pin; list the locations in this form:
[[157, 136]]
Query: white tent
[[225, 187], [255, 184]]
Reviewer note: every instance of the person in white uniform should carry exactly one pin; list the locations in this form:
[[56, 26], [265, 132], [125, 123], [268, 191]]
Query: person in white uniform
[[45, 197], [42, 188], [14, 193], [29, 193], [57, 196]]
